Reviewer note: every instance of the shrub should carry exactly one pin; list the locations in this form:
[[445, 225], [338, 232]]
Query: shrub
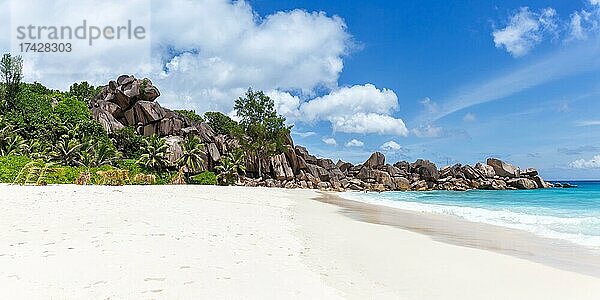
[[128, 142], [204, 178], [222, 124], [10, 166], [190, 114]]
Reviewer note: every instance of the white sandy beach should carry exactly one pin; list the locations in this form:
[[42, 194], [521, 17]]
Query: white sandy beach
[[192, 242]]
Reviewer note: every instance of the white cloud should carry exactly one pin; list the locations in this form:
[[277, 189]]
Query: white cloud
[[330, 141], [355, 143], [304, 134], [593, 163], [428, 131], [285, 104], [390, 146], [525, 30], [223, 47], [357, 109], [469, 117], [205, 53]]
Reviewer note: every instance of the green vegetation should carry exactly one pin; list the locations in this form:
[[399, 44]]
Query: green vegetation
[[231, 167], [204, 178], [83, 91], [50, 137], [192, 151], [190, 114], [155, 153], [11, 70], [264, 130], [222, 124]]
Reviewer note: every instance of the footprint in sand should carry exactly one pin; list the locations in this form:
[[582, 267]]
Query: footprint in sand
[[154, 279]]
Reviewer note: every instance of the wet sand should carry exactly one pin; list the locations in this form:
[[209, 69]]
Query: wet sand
[[453, 230]]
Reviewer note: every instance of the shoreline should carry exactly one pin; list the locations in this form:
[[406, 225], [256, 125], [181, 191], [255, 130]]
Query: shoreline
[[454, 230]]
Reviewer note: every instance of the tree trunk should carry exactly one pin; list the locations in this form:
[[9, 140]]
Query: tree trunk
[[259, 166]]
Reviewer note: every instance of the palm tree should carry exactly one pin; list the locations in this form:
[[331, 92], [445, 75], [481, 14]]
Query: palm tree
[[12, 144], [154, 153], [192, 155], [231, 166], [67, 152], [98, 154]]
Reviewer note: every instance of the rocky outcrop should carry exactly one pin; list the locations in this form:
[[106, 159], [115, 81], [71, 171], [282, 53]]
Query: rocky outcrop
[[131, 102], [503, 169], [128, 101]]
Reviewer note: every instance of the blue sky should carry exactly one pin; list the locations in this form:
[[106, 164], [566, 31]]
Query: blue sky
[[436, 51], [450, 82]]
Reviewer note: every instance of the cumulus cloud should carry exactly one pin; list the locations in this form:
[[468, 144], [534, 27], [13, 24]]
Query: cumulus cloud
[[228, 48], [593, 163], [428, 131], [390, 146], [330, 141], [220, 49], [525, 30], [354, 143], [357, 109]]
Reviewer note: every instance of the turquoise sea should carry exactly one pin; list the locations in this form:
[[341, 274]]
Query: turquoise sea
[[569, 214]]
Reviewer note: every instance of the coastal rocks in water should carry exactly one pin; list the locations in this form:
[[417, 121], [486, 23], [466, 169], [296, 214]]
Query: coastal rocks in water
[[493, 184], [420, 185], [376, 160], [523, 184], [486, 171], [541, 183], [426, 170], [471, 173], [531, 172], [401, 183], [503, 169]]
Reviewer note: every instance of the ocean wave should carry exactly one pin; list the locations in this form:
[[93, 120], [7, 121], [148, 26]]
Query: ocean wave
[[584, 230]]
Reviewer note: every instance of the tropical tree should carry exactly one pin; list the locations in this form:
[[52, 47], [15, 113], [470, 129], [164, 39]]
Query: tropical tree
[[11, 71], [98, 154], [192, 155], [264, 130], [83, 91], [222, 124], [154, 154], [230, 168]]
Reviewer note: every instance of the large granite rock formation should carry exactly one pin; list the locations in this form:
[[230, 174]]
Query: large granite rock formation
[[131, 102]]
